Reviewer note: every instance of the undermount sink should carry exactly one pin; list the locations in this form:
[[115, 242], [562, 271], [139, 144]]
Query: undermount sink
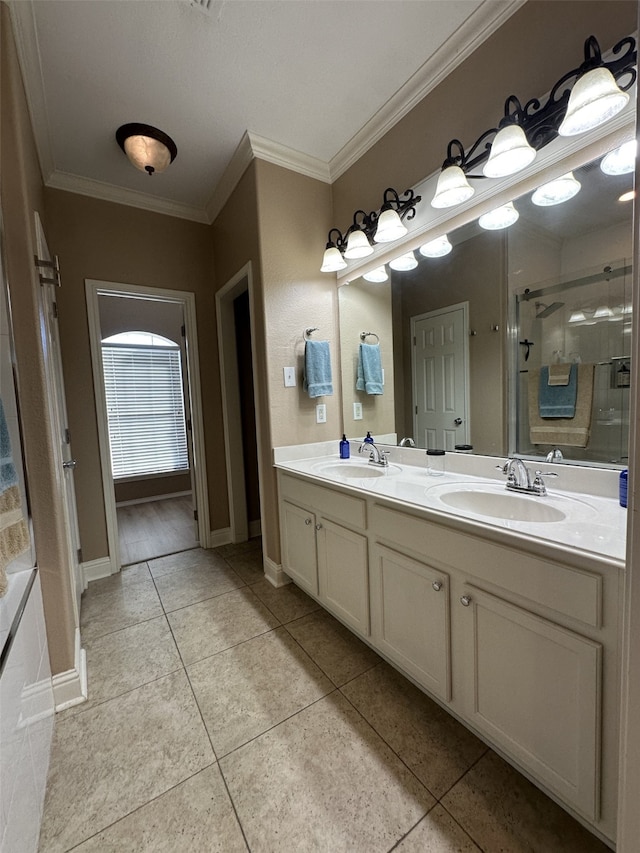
[[355, 470], [506, 505]]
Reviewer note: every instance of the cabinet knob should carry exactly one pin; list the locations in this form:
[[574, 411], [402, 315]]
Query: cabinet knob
[[465, 600], [307, 521], [318, 527], [437, 585]]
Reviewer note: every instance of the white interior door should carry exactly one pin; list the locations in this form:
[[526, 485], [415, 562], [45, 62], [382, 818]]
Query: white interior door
[[441, 377], [49, 282]]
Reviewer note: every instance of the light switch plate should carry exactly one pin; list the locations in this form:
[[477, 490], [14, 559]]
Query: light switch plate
[[289, 377], [357, 411], [321, 413]]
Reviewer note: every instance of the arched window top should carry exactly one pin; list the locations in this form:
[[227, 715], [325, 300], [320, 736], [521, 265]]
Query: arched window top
[[139, 339]]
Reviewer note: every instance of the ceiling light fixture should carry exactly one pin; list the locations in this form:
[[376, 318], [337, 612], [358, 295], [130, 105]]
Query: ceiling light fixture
[[437, 248], [377, 276], [501, 217], [148, 148], [582, 99], [381, 226], [557, 191], [621, 160]]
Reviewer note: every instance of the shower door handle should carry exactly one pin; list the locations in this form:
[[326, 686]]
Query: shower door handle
[[71, 463]]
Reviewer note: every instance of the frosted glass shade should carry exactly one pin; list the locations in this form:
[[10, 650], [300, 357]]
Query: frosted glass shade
[[577, 316], [377, 276], [147, 154], [358, 246], [557, 191], [510, 152], [437, 248], [404, 262], [501, 217], [332, 260], [390, 227], [594, 99], [621, 160], [453, 188], [603, 312]]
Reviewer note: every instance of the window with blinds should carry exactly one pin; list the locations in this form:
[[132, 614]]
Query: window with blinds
[[145, 407]]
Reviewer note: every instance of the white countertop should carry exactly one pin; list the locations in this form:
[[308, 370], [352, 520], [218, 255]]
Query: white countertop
[[572, 521]]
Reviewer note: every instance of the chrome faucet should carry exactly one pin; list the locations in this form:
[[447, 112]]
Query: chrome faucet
[[554, 455], [407, 442], [376, 456], [519, 477]]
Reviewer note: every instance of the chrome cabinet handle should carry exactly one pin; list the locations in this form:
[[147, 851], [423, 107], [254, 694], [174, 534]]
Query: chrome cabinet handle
[[307, 521], [465, 600], [318, 527], [437, 585], [71, 463]]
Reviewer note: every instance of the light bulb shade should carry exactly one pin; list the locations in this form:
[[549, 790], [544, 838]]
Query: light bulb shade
[[603, 312], [557, 191], [390, 227], [453, 188], [404, 262], [357, 246], [437, 248], [377, 276], [501, 217], [148, 148], [621, 160], [332, 260], [577, 316], [510, 152], [594, 99]]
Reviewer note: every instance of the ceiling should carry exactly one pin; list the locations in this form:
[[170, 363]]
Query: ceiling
[[309, 84]]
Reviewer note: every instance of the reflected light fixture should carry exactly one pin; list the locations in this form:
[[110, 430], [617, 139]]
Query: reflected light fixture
[[149, 149], [557, 191], [404, 262], [628, 196], [377, 276], [621, 160], [577, 316], [603, 312], [510, 152], [437, 248], [501, 217]]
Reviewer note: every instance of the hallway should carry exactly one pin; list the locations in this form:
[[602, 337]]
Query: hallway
[[227, 715], [155, 528]]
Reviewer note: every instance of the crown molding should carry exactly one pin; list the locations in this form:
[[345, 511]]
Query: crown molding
[[481, 24], [242, 157], [119, 195]]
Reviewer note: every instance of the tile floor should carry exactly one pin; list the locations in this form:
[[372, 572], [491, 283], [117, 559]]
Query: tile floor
[[227, 715], [148, 530]]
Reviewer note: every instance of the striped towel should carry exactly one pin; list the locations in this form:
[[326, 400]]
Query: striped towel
[[14, 534]]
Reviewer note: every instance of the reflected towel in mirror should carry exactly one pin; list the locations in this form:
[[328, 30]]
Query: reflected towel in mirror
[[558, 400], [573, 432], [369, 377], [14, 535], [317, 381]]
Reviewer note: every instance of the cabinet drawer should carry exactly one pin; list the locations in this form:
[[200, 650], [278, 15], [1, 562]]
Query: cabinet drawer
[[346, 509], [563, 589]]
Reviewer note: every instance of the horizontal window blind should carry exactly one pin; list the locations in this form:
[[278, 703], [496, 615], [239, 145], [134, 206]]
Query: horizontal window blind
[[145, 410]]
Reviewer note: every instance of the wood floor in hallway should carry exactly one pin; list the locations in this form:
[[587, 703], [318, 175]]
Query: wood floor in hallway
[[155, 529]]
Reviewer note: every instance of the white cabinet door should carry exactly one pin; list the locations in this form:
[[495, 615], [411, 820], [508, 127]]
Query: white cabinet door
[[344, 574], [299, 546], [410, 617], [534, 688]]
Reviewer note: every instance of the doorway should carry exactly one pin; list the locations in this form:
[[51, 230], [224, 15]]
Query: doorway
[[153, 469]]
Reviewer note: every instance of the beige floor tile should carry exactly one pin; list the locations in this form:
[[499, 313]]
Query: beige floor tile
[[195, 583], [501, 810], [286, 602], [117, 756], [119, 601], [185, 559], [248, 564], [431, 742], [218, 623], [194, 817], [437, 833], [250, 688], [126, 659], [338, 652], [323, 781]]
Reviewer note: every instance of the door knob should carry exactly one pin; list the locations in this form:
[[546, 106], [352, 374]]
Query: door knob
[[71, 463], [458, 421]]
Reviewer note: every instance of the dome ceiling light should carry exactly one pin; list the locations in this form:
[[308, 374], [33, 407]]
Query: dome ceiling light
[[148, 148]]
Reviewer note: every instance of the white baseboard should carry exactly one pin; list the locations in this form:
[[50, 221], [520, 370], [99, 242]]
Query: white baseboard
[[220, 537], [93, 570], [70, 687], [153, 499], [255, 529], [275, 573]]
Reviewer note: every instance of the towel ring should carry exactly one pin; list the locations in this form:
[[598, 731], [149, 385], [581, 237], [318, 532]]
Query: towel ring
[[364, 335], [308, 332]]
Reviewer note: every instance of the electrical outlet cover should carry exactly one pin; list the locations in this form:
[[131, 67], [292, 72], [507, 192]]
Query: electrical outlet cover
[[321, 413]]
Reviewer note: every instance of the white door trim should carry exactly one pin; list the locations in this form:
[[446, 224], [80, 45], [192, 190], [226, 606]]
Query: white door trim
[[188, 302]]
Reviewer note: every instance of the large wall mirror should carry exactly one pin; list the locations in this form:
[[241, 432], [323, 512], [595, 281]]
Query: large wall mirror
[[517, 340]]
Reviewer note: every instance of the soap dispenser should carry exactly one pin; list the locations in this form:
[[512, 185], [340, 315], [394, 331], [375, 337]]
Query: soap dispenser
[[344, 447], [368, 438]]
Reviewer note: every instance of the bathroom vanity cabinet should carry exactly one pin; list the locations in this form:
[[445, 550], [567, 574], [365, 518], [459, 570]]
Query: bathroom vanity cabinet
[[519, 645]]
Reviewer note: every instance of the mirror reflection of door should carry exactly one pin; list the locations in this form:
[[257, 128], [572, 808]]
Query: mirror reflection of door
[[441, 377]]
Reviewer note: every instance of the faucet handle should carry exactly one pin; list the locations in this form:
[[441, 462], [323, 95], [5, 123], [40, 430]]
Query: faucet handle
[[546, 474]]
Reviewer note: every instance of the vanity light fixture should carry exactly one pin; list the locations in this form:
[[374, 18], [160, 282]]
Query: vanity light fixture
[[621, 160], [577, 316], [404, 262], [381, 226], [628, 196], [500, 217], [582, 99], [437, 248], [557, 191], [603, 312], [148, 148], [377, 276]]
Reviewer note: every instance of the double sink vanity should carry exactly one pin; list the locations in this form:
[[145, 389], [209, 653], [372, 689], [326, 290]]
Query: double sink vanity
[[502, 606]]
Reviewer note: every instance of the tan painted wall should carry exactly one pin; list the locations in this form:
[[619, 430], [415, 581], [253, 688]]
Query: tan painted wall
[[111, 242], [21, 195]]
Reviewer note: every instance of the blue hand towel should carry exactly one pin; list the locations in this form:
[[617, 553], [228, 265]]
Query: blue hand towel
[[369, 377], [317, 369], [558, 401]]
